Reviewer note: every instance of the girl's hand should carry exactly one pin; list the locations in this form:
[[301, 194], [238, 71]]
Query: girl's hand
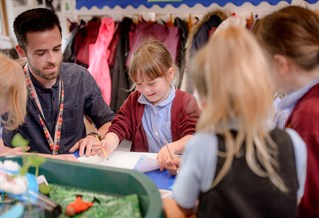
[[164, 155], [104, 148], [173, 165], [107, 145]]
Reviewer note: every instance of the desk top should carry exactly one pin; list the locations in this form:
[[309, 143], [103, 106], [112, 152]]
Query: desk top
[[163, 180]]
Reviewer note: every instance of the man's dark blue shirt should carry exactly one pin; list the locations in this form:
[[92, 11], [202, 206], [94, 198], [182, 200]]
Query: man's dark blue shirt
[[82, 97]]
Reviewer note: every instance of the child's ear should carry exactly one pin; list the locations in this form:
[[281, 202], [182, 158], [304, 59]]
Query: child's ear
[[281, 63], [20, 51], [170, 74]]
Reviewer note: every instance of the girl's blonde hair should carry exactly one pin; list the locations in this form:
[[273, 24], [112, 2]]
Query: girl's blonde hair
[[231, 74], [150, 61], [13, 91]]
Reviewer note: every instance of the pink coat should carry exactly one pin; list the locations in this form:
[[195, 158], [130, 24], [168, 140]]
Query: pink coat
[[98, 58]]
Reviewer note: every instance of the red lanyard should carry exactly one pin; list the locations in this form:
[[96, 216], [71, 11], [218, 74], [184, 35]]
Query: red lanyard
[[54, 144]]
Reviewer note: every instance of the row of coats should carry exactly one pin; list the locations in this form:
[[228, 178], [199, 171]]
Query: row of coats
[[105, 47]]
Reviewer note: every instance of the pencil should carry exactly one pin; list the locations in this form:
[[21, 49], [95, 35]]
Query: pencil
[[170, 154], [104, 152], [169, 151]]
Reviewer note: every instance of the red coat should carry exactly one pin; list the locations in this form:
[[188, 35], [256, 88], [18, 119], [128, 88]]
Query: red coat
[[168, 35], [83, 39], [305, 120], [128, 121]]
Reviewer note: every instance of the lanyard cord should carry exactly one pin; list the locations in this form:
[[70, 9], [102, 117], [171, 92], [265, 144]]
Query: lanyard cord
[[54, 144]]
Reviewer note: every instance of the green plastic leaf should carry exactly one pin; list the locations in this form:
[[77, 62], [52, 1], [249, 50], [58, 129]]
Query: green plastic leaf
[[28, 161], [19, 141], [24, 169], [36, 161]]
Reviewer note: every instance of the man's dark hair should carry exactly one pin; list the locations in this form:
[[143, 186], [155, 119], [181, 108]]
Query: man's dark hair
[[34, 20]]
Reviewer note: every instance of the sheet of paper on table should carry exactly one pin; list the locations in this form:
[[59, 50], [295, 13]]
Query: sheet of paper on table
[[140, 161]]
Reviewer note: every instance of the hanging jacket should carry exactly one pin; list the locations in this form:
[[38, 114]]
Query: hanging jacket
[[69, 53], [183, 34], [98, 58], [119, 72], [197, 38], [168, 35], [82, 42]]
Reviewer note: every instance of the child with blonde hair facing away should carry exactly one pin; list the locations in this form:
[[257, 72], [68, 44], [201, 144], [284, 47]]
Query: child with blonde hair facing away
[[13, 96], [156, 113], [237, 164], [291, 38]]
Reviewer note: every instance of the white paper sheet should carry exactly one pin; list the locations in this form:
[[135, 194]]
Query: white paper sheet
[[140, 161]]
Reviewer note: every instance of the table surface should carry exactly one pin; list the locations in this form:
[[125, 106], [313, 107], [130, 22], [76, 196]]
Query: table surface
[[162, 179]]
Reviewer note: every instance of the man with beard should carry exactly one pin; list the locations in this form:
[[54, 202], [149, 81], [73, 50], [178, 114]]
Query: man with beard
[[59, 94]]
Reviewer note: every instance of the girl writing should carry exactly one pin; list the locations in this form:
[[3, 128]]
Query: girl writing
[[157, 114]]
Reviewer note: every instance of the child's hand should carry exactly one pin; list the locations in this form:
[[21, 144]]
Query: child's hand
[[105, 148], [107, 145], [12, 151], [164, 155], [173, 165]]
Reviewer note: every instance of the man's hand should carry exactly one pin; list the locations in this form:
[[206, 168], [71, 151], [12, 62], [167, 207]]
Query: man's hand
[[68, 157], [90, 145]]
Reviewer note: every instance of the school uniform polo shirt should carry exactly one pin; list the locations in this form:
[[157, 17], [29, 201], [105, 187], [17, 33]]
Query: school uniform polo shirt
[[156, 121]]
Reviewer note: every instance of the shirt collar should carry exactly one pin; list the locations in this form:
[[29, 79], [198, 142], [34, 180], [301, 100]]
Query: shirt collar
[[143, 100], [291, 99]]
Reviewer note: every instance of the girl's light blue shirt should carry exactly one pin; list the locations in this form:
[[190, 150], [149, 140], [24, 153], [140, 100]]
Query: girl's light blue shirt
[[156, 121]]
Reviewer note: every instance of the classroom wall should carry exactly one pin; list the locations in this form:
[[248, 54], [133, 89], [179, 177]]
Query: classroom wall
[[15, 7], [68, 10]]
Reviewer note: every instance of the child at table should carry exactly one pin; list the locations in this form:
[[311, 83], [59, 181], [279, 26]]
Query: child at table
[[13, 97], [237, 164], [291, 37], [156, 113]]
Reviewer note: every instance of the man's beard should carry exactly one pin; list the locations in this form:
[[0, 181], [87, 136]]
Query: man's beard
[[48, 77]]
